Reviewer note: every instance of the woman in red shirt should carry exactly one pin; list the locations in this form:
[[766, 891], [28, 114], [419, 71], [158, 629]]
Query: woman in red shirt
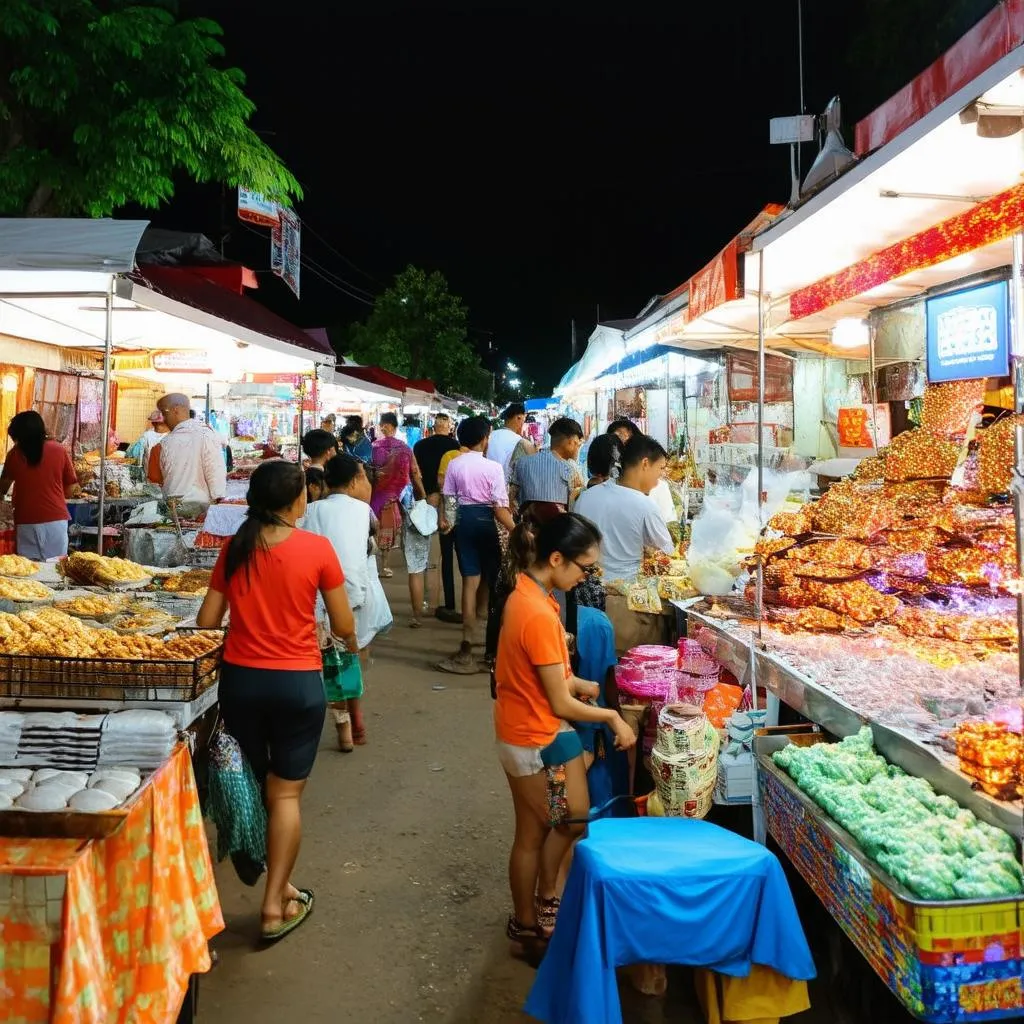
[[43, 480], [271, 687]]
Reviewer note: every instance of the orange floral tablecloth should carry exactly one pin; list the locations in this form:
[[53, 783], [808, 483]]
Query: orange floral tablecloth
[[108, 932]]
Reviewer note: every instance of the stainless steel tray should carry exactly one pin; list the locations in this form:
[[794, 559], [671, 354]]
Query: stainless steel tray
[[835, 716], [765, 746]]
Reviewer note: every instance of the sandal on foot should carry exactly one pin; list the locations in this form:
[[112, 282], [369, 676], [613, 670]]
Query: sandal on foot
[[386, 574], [525, 935], [547, 912], [288, 925]]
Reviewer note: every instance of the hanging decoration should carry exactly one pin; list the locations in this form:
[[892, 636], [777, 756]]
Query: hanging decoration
[[987, 222]]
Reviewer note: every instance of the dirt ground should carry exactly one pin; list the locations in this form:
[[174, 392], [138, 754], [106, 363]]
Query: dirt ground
[[405, 844]]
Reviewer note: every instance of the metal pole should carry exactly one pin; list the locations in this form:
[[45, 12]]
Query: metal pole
[[668, 403], [762, 312], [108, 341], [208, 402], [873, 392], [1017, 322]]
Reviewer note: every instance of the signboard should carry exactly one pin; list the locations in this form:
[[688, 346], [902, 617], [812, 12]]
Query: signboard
[[256, 209], [715, 285], [182, 361], [784, 131], [855, 426], [288, 238], [967, 334]]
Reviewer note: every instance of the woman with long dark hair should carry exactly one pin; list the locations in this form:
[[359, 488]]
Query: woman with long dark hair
[[271, 688], [43, 479], [537, 696]]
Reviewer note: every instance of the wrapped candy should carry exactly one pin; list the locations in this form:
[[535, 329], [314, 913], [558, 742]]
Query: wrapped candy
[[996, 454], [947, 407], [792, 524], [924, 455]]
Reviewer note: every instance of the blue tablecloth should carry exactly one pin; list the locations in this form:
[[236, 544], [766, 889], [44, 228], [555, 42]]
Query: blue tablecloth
[[665, 891]]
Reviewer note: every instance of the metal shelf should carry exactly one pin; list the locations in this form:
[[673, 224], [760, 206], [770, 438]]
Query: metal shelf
[[736, 646]]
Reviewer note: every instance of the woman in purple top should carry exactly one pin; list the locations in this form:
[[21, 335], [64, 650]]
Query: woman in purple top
[[395, 469]]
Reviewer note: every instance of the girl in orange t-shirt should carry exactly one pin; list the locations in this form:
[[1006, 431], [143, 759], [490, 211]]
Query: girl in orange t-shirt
[[271, 688], [537, 696]]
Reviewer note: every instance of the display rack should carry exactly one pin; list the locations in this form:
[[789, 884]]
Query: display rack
[[735, 651], [955, 961]]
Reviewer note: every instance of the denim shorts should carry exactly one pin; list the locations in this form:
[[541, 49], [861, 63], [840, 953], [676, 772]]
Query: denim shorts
[[522, 761], [476, 541]]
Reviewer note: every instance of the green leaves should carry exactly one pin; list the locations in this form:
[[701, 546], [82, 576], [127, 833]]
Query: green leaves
[[104, 103], [418, 329]]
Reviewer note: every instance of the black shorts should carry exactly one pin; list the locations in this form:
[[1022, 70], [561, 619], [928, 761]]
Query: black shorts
[[276, 716]]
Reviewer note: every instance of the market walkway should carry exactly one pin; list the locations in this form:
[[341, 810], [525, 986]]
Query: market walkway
[[406, 846]]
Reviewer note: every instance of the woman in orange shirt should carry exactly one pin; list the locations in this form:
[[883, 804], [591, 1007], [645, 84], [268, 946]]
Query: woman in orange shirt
[[537, 696], [271, 688]]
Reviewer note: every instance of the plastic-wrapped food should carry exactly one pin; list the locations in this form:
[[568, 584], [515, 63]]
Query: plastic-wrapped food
[[643, 597], [925, 454], [995, 455], [925, 840], [947, 407]]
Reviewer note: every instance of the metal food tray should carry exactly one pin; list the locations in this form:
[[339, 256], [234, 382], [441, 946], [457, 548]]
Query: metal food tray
[[765, 746], [108, 679], [813, 701]]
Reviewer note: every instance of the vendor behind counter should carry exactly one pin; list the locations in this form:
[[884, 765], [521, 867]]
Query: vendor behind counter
[[629, 521]]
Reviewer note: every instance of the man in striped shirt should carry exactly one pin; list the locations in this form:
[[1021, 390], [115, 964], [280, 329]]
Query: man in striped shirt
[[553, 475]]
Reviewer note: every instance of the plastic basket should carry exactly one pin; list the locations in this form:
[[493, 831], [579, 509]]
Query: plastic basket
[[947, 962], [645, 682]]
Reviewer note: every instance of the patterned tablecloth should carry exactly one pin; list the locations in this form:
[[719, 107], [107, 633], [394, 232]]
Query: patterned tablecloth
[[108, 932]]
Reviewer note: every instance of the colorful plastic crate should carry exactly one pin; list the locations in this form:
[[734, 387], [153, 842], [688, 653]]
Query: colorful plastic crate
[[946, 962]]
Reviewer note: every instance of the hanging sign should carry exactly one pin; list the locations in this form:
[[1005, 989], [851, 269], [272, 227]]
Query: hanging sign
[[255, 208], [288, 237], [715, 285], [967, 334], [182, 361]]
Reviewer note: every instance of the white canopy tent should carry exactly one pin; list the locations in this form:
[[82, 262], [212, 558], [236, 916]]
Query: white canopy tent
[[62, 282]]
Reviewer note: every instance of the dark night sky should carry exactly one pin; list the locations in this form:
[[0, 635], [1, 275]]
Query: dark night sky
[[545, 157]]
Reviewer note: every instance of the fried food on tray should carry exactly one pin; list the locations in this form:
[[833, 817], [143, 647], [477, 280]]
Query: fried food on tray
[[819, 620], [194, 582], [767, 546], [189, 646], [90, 569], [15, 565], [145, 619], [24, 590], [91, 606], [825, 571]]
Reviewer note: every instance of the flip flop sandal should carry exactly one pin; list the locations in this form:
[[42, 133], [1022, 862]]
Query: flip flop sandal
[[386, 574], [305, 896], [415, 624], [278, 932], [458, 668]]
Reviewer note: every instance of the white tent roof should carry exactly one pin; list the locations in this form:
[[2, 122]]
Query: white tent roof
[[102, 247]]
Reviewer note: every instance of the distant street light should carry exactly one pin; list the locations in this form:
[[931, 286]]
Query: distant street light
[[514, 382], [512, 367]]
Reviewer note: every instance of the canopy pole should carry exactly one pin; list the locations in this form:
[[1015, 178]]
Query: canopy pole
[[873, 388], [762, 312], [105, 414]]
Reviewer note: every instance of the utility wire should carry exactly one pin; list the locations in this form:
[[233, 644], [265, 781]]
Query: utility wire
[[341, 256], [323, 277]]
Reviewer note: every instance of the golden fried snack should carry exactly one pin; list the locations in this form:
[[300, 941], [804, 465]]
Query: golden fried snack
[[855, 598], [15, 565], [849, 553], [792, 524], [91, 607], [91, 569], [194, 582], [24, 590]]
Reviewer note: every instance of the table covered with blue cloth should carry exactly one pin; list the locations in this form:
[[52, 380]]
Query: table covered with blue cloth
[[664, 891]]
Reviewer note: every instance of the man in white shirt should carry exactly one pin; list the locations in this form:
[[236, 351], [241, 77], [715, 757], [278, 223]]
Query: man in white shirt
[[627, 517], [505, 441], [191, 456]]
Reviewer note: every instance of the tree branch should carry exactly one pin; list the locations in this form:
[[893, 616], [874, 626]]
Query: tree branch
[[37, 205]]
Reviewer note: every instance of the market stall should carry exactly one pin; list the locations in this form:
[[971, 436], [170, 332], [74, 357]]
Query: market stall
[[886, 612]]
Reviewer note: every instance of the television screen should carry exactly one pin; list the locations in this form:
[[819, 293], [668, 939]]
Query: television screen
[[968, 333]]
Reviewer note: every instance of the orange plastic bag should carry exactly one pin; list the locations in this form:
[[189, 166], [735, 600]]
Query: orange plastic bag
[[721, 702]]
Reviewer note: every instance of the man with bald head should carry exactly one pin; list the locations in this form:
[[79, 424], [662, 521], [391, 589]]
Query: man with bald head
[[191, 456]]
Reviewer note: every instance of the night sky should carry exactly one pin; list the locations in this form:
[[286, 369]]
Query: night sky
[[547, 158]]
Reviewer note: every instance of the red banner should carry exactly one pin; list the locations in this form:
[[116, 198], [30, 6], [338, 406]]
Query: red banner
[[715, 285], [990, 221]]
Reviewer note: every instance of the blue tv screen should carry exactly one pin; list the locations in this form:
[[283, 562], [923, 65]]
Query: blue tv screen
[[968, 333]]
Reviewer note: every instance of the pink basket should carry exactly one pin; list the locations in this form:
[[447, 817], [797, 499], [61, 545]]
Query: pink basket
[[649, 653], [647, 682]]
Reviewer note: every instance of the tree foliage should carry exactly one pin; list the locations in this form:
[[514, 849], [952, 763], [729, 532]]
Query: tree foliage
[[419, 329], [103, 102]]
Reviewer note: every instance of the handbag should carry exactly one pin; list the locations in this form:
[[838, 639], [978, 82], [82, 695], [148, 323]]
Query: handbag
[[343, 675], [234, 801], [423, 517]]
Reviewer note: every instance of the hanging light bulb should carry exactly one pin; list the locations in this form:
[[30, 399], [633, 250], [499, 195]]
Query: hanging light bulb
[[850, 333]]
